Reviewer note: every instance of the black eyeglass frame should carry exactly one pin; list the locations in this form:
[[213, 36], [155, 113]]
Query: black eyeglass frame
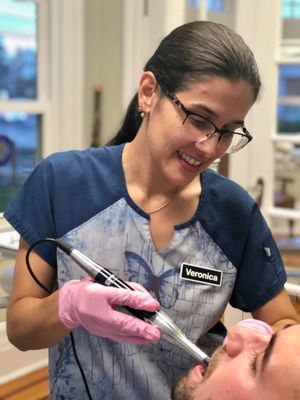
[[172, 96]]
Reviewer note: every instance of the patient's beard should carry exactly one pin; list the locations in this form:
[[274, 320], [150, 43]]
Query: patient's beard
[[184, 389], [214, 362]]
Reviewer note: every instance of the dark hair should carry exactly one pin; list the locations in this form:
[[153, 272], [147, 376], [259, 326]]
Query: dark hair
[[188, 54]]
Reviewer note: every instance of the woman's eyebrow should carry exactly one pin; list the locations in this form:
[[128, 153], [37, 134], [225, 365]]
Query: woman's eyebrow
[[202, 108]]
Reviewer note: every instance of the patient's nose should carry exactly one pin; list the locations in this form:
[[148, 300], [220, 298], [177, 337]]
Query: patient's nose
[[245, 335]]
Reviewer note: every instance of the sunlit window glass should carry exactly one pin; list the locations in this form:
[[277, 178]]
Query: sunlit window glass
[[290, 21], [215, 5], [19, 131], [220, 11], [212, 5], [18, 48], [18, 154], [291, 9], [289, 100]]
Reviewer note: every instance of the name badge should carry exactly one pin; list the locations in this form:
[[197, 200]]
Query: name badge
[[203, 275]]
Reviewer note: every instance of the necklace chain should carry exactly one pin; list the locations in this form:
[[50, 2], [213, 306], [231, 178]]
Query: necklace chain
[[164, 205]]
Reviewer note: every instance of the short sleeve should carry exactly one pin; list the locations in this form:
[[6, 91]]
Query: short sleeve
[[31, 211], [235, 223], [261, 274]]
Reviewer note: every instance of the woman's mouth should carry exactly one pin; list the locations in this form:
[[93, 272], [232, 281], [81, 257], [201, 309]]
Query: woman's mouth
[[192, 162]]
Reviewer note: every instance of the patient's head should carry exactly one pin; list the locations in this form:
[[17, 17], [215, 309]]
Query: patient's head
[[252, 364]]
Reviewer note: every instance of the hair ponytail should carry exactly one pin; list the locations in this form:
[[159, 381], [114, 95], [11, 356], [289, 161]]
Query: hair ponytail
[[131, 123]]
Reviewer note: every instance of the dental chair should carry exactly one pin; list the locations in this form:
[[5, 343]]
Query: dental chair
[[6, 278]]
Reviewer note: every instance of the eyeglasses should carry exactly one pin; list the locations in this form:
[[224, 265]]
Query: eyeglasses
[[203, 128]]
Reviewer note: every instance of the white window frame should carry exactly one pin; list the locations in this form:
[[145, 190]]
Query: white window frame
[[60, 103], [64, 129], [60, 76]]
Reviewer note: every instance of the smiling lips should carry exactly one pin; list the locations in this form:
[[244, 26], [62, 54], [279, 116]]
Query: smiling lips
[[191, 161]]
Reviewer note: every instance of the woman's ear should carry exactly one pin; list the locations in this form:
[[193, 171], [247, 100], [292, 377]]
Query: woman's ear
[[148, 91]]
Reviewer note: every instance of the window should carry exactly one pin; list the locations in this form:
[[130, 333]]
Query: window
[[288, 112], [291, 9], [286, 196], [212, 5], [18, 47], [20, 130], [221, 11], [291, 20]]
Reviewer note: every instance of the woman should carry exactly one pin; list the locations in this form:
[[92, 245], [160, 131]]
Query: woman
[[149, 209]]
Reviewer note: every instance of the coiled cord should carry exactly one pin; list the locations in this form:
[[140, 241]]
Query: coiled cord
[[49, 291]]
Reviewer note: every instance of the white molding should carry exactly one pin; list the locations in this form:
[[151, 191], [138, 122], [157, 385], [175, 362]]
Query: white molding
[[133, 24], [289, 100], [140, 40], [293, 291], [289, 60], [202, 10], [43, 64], [255, 161], [280, 212], [15, 363], [36, 107], [277, 137], [64, 125]]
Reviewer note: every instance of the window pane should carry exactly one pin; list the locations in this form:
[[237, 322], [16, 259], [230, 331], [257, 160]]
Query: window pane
[[18, 47], [291, 19], [19, 138], [288, 119], [287, 175], [221, 11], [288, 116]]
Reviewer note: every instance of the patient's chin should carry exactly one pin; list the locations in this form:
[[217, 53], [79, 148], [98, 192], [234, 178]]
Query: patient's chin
[[183, 389]]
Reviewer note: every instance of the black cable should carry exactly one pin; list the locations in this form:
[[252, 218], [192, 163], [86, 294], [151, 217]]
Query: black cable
[[29, 266], [49, 291], [80, 367]]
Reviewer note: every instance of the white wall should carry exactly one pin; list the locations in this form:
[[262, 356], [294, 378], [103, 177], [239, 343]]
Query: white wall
[[253, 22], [103, 65]]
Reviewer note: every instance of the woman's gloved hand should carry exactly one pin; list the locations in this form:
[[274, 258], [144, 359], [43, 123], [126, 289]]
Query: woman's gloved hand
[[91, 305]]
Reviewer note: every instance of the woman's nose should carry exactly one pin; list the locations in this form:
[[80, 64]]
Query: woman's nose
[[209, 146], [241, 338]]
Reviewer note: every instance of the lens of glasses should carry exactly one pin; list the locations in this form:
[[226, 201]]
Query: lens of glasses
[[199, 126], [232, 142], [228, 143]]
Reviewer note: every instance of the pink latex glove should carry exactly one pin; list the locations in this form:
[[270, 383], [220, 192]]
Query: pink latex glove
[[91, 305]]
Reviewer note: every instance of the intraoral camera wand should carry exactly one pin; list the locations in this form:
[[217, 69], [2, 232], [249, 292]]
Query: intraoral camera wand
[[158, 318]]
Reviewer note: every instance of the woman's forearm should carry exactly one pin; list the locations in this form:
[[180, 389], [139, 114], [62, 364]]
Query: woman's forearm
[[33, 323]]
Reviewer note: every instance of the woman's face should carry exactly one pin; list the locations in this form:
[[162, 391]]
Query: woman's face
[[173, 147]]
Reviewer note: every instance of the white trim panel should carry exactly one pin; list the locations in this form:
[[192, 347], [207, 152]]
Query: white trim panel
[[15, 363]]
